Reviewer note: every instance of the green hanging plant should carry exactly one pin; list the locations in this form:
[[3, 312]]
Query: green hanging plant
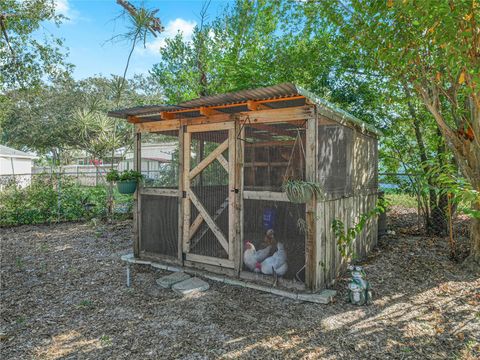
[[299, 191]]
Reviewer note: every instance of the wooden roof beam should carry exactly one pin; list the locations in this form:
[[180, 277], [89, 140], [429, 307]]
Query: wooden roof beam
[[256, 105], [244, 103], [167, 115], [133, 119], [274, 130], [208, 111]]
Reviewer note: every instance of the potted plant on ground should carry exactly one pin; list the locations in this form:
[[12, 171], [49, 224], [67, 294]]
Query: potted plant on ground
[[126, 181]]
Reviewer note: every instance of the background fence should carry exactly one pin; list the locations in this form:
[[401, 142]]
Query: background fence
[[79, 192]]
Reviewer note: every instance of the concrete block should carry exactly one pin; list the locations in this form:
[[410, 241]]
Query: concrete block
[[190, 286], [169, 280]]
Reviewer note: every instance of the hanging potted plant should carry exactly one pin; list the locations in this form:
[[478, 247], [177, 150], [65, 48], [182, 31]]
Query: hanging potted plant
[[299, 191], [126, 181]]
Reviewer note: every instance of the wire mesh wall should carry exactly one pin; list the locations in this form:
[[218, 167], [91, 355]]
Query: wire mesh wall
[[287, 222], [159, 225], [159, 219], [210, 186], [273, 153], [160, 153]]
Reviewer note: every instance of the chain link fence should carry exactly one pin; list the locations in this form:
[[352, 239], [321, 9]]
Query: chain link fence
[[420, 210]]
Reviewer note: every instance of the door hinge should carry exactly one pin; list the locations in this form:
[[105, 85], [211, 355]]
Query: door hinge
[[184, 256], [184, 194]]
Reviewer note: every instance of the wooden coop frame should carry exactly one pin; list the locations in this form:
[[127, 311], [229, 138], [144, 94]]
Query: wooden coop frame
[[329, 135]]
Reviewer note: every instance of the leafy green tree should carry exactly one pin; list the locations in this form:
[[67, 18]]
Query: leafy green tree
[[24, 59], [434, 48], [65, 115]]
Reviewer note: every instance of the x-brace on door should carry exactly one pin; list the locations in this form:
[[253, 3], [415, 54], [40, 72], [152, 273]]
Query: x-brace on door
[[209, 194]]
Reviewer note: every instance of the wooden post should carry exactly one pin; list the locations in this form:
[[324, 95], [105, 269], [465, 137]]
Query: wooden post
[[239, 168], [311, 207], [180, 171], [236, 193], [186, 188], [232, 195], [201, 152], [137, 163]]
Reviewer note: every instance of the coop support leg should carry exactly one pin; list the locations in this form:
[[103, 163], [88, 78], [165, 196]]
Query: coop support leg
[[128, 274]]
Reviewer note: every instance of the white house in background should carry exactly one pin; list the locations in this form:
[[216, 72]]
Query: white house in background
[[15, 163], [154, 156]]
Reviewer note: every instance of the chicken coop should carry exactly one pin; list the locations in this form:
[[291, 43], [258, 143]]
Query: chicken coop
[[221, 195]]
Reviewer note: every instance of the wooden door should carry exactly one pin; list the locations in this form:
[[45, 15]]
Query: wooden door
[[209, 194]]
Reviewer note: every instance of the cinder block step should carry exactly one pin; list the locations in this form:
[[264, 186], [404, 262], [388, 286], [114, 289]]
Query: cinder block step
[[166, 282], [190, 286]]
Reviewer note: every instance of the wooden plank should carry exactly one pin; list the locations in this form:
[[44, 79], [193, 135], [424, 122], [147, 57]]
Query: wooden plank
[[290, 114], [277, 143], [221, 159], [226, 125], [181, 172], [320, 278], [267, 280], [208, 111], [133, 119], [159, 191], [213, 226], [137, 203], [266, 164], [311, 206], [167, 116], [223, 271], [231, 194], [186, 188], [208, 160], [194, 227], [155, 257], [209, 260], [218, 212], [265, 195], [156, 126], [255, 105], [214, 119], [277, 115], [239, 215]]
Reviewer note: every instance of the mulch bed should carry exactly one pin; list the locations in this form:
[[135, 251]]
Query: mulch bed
[[63, 296]]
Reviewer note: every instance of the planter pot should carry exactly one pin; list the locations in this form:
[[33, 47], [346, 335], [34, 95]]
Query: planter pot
[[127, 186]]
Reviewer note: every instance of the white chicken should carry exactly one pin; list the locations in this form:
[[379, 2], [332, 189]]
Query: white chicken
[[275, 265], [251, 256]]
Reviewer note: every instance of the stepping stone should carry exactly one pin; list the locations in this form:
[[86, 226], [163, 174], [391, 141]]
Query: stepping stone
[[190, 286], [169, 280]]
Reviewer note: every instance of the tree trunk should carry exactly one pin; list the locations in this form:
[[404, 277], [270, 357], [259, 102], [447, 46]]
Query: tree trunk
[[473, 260], [435, 212], [438, 204], [467, 154]]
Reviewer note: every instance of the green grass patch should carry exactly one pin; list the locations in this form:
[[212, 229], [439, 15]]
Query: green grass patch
[[404, 200]]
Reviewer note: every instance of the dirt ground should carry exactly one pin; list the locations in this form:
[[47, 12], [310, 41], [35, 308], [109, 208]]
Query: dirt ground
[[63, 296]]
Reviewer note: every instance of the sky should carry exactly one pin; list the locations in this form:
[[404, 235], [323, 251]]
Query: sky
[[92, 23]]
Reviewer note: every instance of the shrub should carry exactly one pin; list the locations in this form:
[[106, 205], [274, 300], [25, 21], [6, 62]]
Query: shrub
[[50, 199]]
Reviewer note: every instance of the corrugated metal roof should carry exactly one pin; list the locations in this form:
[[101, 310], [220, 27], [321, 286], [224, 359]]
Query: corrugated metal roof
[[6, 151], [142, 110], [277, 91], [271, 92]]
